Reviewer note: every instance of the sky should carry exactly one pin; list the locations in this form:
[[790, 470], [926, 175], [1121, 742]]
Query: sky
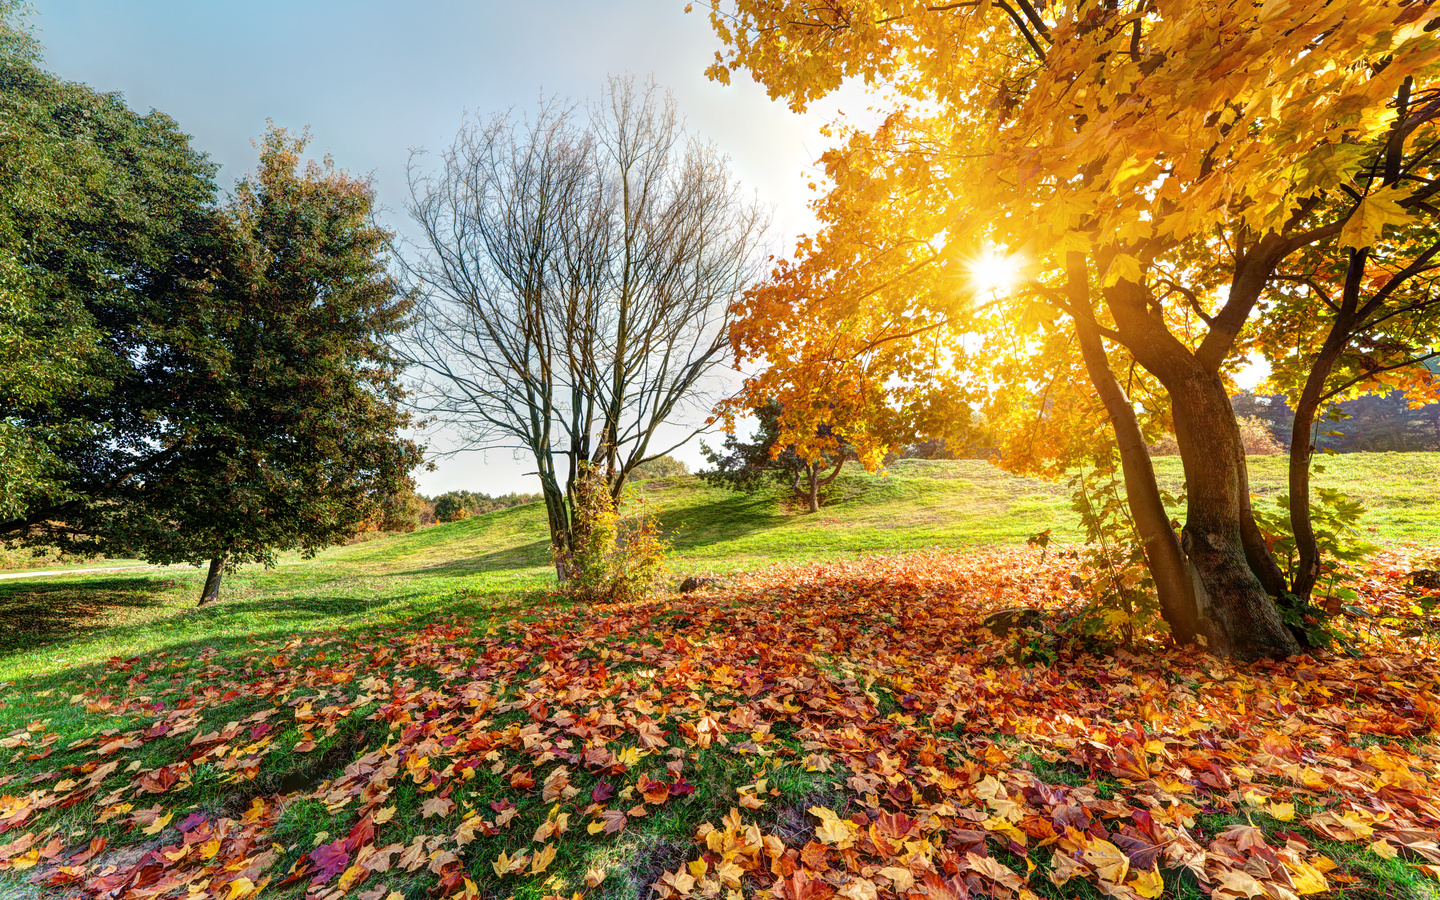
[[376, 80]]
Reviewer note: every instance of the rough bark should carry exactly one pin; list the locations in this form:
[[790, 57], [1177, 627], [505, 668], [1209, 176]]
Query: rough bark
[[211, 592], [557, 512], [1237, 616], [1173, 583], [1257, 554], [1241, 618]]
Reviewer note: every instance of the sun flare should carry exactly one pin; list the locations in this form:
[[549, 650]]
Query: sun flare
[[995, 272]]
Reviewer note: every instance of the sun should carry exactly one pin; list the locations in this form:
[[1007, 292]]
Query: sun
[[994, 272]]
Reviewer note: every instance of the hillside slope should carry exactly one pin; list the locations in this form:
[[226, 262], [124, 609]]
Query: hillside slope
[[58, 621]]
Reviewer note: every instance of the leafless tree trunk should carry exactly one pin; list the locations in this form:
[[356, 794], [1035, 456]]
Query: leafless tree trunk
[[575, 285]]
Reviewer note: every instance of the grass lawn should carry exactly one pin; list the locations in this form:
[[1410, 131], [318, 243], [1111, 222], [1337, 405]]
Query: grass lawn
[[419, 715]]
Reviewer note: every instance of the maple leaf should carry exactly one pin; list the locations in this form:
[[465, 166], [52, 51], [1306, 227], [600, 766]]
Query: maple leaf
[[1371, 215], [833, 830], [650, 734], [239, 889], [158, 825], [601, 792], [610, 821], [858, 889], [903, 879], [1233, 884], [436, 806], [1148, 883], [506, 864], [542, 859], [555, 785], [653, 791], [678, 883], [330, 860]]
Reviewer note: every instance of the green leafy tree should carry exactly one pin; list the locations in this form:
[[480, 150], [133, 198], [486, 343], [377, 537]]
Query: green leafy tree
[[747, 465], [101, 211], [284, 428]]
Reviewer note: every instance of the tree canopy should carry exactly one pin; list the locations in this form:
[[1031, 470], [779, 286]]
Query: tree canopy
[[576, 282], [283, 406], [100, 212], [1157, 171]]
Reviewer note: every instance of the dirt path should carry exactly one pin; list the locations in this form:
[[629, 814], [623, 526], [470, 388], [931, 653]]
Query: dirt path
[[39, 572]]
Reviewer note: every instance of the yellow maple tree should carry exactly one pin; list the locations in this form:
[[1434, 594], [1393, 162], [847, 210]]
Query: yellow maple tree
[[1151, 165]]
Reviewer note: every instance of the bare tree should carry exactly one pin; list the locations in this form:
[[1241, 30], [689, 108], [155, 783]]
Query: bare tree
[[575, 284]]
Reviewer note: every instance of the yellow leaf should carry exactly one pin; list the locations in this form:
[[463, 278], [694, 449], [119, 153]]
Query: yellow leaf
[[1306, 877], [1108, 861], [1382, 847], [505, 864], [240, 888], [1123, 266], [729, 873], [594, 876], [159, 824], [1148, 883], [903, 879], [1370, 217], [859, 889], [1285, 812], [542, 859], [383, 815], [833, 830]]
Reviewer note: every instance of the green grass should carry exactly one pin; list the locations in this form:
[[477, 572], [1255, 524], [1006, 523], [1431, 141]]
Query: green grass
[[59, 622]]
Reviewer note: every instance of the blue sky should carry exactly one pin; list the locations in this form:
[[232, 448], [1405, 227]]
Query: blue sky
[[373, 80]]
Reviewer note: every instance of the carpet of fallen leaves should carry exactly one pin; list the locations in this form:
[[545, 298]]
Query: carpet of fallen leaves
[[958, 763]]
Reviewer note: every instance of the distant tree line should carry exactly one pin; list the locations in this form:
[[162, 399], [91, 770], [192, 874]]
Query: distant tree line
[[453, 506], [1375, 423]]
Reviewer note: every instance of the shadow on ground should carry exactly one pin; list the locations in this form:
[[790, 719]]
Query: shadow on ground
[[524, 556], [35, 613], [730, 519]]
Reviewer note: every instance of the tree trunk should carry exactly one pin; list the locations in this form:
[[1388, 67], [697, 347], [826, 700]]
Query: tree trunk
[[1173, 583], [1240, 618], [813, 497], [211, 593], [1302, 444], [557, 511], [1236, 613]]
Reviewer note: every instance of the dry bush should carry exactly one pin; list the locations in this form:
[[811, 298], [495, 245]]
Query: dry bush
[[1253, 432]]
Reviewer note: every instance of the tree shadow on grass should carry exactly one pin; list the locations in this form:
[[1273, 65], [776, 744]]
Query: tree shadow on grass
[[729, 519], [522, 556], [35, 613]]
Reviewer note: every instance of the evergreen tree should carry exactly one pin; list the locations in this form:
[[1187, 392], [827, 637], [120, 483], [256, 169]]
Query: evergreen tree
[[747, 465]]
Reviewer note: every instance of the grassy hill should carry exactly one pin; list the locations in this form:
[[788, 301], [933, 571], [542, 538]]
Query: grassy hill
[[58, 621]]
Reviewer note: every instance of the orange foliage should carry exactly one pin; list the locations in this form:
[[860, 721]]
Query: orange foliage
[[877, 671]]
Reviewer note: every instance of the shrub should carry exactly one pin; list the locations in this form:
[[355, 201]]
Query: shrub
[[613, 559]]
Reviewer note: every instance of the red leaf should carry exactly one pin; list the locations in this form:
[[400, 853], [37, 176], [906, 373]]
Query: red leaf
[[330, 860]]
